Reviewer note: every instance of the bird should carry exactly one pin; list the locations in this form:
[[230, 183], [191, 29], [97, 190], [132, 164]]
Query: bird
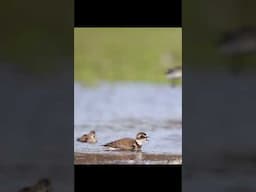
[[237, 44], [43, 185], [128, 143], [238, 41], [88, 138], [174, 73]]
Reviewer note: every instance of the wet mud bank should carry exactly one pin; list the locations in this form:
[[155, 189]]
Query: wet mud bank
[[126, 158]]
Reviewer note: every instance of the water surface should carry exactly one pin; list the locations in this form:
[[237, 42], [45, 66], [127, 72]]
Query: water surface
[[124, 109]]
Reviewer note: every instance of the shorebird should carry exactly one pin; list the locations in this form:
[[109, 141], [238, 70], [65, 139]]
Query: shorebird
[[88, 138], [236, 44], [128, 143], [239, 41], [174, 73], [43, 185]]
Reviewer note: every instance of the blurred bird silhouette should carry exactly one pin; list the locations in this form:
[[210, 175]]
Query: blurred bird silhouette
[[174, 74], [43, 185], [237, 44]]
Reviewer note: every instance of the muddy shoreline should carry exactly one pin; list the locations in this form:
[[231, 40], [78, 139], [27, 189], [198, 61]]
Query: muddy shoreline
[[126, 158]]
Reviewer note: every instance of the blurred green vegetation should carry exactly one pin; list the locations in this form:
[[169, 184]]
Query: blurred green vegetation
[[205, 23], [36, 42], [126, 54]]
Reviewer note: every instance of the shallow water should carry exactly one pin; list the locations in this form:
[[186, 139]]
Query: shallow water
[[124, 109]]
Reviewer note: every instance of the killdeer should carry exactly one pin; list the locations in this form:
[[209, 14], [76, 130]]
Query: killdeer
[[174, 73], [88, 138], [43, 185], [128, 143]]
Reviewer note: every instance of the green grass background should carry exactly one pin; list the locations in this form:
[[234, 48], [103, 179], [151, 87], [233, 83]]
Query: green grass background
[[126, 54]]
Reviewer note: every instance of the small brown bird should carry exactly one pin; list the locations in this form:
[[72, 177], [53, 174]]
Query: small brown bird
[[128, 143], [43, 185], [88, 138]]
